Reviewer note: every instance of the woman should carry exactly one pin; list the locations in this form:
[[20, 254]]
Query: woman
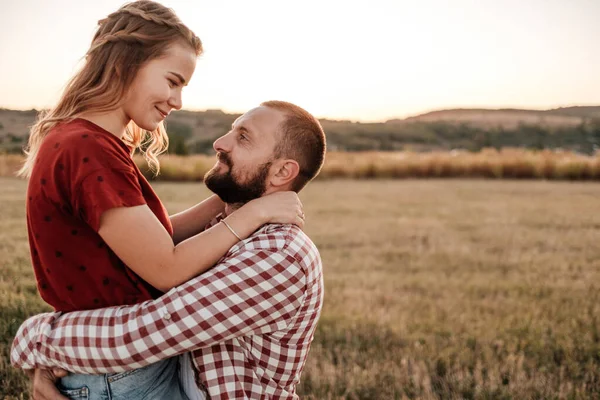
[[80, 168]]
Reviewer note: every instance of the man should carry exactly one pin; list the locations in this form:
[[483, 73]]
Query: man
[[249, 321]]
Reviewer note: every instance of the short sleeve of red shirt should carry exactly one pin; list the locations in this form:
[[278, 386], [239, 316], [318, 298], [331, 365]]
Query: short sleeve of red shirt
[[104, 189], [81, 171]]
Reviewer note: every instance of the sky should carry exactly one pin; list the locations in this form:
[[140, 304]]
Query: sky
[[358, 60]]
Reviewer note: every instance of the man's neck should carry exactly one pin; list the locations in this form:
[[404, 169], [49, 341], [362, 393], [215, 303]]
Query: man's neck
[[229, 208]]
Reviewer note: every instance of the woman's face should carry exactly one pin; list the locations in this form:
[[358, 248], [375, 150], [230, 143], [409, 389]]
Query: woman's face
[[156, 90]]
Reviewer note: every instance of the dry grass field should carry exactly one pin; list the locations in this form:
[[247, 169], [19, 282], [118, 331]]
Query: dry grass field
[[435, 289], [506, 163]]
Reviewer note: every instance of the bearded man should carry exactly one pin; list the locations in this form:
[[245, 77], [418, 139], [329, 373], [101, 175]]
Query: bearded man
[[242, 329]]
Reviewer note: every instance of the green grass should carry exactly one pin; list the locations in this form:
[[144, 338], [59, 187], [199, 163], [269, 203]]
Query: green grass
[[435, 289]]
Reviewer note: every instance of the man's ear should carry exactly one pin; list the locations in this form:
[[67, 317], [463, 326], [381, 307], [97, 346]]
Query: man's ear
[[285, 171]]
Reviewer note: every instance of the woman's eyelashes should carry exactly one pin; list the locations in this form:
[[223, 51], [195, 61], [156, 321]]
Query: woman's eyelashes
[[172, 83]]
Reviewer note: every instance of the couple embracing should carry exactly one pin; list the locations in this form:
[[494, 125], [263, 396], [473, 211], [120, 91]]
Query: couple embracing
[[219, 301]]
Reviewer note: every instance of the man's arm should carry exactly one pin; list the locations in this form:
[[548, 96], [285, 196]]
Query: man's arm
[[253, 292]]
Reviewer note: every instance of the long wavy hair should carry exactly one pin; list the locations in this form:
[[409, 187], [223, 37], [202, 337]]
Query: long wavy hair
[[125, 41]]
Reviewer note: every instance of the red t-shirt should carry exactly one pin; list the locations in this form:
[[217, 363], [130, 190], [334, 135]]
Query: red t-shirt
[[81, 171]]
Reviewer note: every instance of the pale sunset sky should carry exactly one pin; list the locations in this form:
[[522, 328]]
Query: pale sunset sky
[[359, 60]]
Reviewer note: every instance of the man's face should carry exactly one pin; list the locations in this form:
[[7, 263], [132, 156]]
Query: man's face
[[244, 156]]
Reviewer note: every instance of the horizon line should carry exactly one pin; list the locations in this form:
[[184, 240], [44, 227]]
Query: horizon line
[[391, 118]]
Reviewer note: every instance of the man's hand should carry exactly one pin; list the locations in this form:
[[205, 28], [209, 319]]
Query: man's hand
[[44, 383]]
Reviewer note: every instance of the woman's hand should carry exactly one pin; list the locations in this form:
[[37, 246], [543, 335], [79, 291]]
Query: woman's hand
[[44, 383], [279, 208]]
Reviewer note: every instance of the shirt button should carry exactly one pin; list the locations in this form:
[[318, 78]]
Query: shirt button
[[166, 316]]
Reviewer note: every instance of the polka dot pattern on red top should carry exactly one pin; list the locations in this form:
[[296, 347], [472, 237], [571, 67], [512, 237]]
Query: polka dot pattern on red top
[[80, 172]]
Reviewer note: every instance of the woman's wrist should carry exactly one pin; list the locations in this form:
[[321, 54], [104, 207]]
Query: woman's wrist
[[217, 204], [253, 213]]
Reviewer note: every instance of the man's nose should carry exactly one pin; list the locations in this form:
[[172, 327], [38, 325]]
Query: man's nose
[[222, 144]]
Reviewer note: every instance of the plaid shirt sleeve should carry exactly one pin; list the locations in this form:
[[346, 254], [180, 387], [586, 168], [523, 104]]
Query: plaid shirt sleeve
[[254, 291]]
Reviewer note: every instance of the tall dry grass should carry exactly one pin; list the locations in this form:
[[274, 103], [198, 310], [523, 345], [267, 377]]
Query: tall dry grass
[[510, 163], [489, 163], [10, 164]]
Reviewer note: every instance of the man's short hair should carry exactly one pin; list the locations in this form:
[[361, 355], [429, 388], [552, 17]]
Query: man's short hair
[[302, 139]]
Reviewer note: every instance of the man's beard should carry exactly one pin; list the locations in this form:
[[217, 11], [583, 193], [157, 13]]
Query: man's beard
[[230, 190]]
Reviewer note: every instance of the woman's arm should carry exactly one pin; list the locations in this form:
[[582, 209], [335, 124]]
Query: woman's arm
[[139, 239], [127, 337], [193, 220]]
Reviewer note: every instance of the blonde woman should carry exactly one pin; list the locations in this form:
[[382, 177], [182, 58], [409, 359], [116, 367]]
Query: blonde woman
[[98, 233]]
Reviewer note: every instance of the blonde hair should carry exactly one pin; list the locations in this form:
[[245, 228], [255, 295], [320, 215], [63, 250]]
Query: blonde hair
[[125, 40]]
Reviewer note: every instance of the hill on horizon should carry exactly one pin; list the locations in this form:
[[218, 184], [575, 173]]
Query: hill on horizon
[[576, 128], [509, 117]]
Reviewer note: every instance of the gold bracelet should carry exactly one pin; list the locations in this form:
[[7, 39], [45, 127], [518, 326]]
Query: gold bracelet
[[231, 229]]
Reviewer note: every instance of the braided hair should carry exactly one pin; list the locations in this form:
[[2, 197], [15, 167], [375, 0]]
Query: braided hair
[[125, 40], [126, 25]]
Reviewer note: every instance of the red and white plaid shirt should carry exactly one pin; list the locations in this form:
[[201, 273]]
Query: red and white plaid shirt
[[249, 322]]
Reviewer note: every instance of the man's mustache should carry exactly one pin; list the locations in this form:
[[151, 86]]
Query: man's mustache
[[224, 158]]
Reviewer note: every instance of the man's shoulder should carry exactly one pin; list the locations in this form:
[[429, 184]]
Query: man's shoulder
[[281, 238]]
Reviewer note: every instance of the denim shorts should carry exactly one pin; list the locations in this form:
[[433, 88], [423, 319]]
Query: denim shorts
[[154, 382]]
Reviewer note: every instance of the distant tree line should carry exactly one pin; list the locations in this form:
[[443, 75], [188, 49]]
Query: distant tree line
[[583, 138], [191, 134], [425, 136]]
